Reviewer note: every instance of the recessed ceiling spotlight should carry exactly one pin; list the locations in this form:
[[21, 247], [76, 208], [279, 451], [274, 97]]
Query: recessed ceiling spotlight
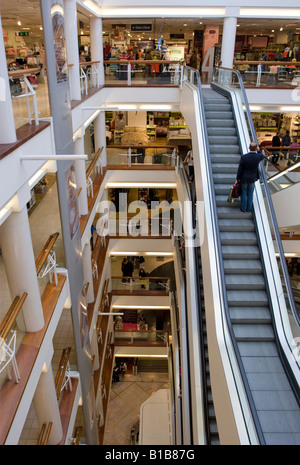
[[281, 29], [19, 23]]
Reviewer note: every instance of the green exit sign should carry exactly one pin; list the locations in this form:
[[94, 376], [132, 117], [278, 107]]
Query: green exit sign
[[22, 33]]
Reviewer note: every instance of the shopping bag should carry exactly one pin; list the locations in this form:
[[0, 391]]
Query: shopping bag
[[229, 198]]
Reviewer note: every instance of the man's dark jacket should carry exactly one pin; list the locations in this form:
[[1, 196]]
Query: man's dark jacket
[[248, 167]]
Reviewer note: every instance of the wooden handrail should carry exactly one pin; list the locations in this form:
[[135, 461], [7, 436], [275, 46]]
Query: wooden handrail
[[93, 162], [77, 435], [120, 146], [286, 64], [140, 62], [45, 252], [10, 317], [23, 72], [44, 441], [144, 277], [62, 370], [281, 147]]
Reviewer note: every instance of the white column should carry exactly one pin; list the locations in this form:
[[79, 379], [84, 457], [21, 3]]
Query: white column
[[97, 46], [71, 35], [228, 42], [19, 262], [46, 406], [7, 126], [100, 136], [87, 272], [81, 177]]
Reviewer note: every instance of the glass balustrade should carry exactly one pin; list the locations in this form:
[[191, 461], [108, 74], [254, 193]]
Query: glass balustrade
[[142, 72], [135, 283], [155, 337], [136, 157]]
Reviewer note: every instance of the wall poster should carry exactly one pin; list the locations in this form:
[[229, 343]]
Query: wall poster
[[57, 14], [72, 200]]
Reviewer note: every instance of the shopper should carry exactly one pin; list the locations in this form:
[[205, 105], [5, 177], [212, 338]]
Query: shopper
[[141, 153], [123, 367], [247, 174], [124, 269], [293, 154], [189, 159], [276, 143], [143, 274], [286, 142]]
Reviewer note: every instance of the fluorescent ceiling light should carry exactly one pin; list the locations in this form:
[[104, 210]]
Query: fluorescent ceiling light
[[140, 355], [271, 12], [124, 253], [154, 185], [159, 253], [36, 177], [290, 109], [159, 11], [164, 307], [91, 118], [156, 107]]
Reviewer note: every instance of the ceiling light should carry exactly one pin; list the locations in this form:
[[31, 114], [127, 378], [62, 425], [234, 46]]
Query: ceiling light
[[41, 28], [281, 29], [154, 185], [19, 23]]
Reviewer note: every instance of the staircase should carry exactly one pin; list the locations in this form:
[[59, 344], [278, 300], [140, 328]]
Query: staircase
[[276, 405], [152, 365]]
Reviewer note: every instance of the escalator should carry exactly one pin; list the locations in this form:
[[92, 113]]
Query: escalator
[[272, 393]]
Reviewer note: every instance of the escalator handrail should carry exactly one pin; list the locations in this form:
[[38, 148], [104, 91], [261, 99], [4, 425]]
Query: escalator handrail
[[221, 267], [269, 202], [204, 385]]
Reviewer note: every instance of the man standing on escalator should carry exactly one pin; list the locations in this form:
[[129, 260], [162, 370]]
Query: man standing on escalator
[[247, 174]]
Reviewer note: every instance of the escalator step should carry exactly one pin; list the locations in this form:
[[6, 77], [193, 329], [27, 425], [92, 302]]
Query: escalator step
[[247, 252], [219, 123], [253, 333], [218, 115], [246, 315], [237, 281], [238, 238], [242, 266], [228, 148], [247, 298], [236, 225]]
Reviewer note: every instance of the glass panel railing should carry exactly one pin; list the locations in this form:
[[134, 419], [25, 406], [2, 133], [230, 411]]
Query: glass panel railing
[[158, 337], [281, 179], [269, 73], [290, 320], [142, 72], [137, 156], [136, 283]]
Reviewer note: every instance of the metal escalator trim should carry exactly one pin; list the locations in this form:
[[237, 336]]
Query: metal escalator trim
[[220, 269], [188, 189]]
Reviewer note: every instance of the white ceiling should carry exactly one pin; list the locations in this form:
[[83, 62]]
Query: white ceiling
[[28, 12]]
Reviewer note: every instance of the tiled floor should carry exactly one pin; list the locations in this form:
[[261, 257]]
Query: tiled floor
[[125, 400]]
